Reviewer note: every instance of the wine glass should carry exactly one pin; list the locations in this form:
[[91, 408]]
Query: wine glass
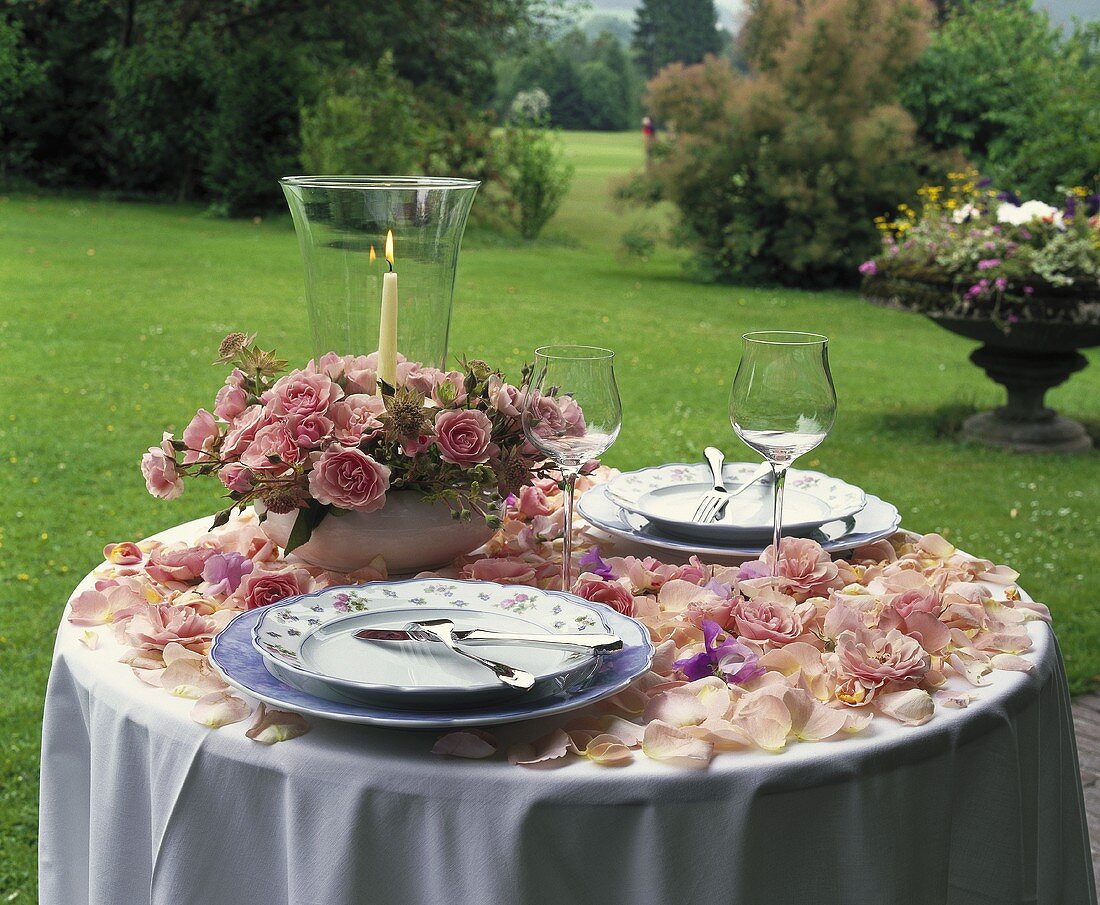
[[572, 414], [782, 404]]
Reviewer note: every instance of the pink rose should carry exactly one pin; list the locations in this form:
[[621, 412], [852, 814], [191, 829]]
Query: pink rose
[[199, 436], [877, 659], [236, 478], [532, 501], [349, 478], [610, 593], [301, 393], [355, 417], [260, 588], [157, 626], [275, 439], [230, 402], [124, 554], [504, 397], [502, 571], [464, 437], [162, 479], [915, 600], [177, 563], [335, 367], [418, 378], [414, 446], [310, 430], [770, 616], [449, 389], [805, 570], [553, 417], [242, 431]]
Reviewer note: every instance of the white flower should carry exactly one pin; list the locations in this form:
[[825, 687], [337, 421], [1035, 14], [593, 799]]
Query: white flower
[[1018, 215], [967, 212]]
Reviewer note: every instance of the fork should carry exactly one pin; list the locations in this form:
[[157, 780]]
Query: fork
[[713, 503]]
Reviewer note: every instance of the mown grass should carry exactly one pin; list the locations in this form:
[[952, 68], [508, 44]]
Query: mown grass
[[109, 315]]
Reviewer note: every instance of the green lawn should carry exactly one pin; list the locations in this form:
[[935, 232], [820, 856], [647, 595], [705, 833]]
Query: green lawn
[[110, 314]]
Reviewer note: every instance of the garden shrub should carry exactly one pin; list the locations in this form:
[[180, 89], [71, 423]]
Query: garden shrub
[[1020, 100], [778, 172], [535, 174], [20, 75]]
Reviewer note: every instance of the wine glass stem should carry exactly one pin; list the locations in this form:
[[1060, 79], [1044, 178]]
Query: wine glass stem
[[567, 535], [779, 472]]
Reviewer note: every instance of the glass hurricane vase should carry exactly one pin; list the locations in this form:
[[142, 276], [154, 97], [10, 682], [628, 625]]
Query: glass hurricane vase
[[342, 223]]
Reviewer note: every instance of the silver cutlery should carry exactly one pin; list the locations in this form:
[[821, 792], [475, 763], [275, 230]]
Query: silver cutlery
[[595, 642], [442, 630], [713, 503]]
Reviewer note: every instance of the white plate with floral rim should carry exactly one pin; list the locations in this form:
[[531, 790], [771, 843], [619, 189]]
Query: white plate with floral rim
[[312, 640], [878, 519], [667, 496]]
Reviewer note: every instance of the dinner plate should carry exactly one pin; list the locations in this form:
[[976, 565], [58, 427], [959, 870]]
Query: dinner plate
[[241, 665], [312, 636], [667, 496], [878, 519]]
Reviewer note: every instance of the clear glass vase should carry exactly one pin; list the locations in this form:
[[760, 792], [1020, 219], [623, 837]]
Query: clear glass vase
[[342, 223]]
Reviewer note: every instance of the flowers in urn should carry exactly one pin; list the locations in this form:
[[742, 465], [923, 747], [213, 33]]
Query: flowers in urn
[[999, 257], [333, 437]]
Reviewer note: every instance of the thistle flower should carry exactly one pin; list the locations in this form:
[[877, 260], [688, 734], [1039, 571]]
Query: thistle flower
[[406, 414], [232, 346]]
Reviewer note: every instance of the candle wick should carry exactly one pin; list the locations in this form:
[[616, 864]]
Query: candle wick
[[389, 264]]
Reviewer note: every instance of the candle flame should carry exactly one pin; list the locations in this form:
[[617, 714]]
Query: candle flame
[[373, 254], [389, 247]]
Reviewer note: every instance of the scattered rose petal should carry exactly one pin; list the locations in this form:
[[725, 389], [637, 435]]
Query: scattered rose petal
[[1011, 662], [547, 748], [186, 678], [674, 746], [955, 699], [271, 726], [811, 720], [608, 751], [89, 639], [219, 708], [150, 676], [471, 743], [913, 707]]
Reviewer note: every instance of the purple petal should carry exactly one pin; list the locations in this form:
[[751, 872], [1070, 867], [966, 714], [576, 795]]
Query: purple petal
[[697, 667], [592, 562], [719, 589], [753, 569]]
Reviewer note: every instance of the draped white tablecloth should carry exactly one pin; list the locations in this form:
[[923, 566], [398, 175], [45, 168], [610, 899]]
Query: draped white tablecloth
[[141, 805]]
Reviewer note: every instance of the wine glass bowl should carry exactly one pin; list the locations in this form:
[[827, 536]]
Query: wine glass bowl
[[572, 414], [783, 402]]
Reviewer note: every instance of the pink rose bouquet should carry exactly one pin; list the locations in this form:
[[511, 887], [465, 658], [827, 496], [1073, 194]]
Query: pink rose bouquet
[[332, 436]]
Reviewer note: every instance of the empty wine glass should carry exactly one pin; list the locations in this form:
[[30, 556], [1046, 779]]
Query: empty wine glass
[[572, 414], [782, 404]]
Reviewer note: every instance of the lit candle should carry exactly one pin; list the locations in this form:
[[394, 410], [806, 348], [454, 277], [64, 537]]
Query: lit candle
[[387, 327]]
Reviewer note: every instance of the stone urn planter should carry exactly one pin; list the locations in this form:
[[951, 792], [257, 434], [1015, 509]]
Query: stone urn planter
[[409, 534], [1028, 359]]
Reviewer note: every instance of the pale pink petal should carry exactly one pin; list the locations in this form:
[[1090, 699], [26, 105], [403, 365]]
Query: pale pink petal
[[549, 747], [219, 708], [1011, 662], [174, 651], [89, 639], [149, 676], [190, 679], [974, 670], [663, 657], [811, 720], [471, 743], [722, 734], [630, 733], [913, 707], [857, 720], [90, 608], [608, 751], [765, 719], [935, 545], [678, 707], [956, 699], [271, 726], [674, 746], [142, 659]]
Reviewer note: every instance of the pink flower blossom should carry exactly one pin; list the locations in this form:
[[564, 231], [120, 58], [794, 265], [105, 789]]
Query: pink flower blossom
[[261, 587], [235, 477], [177, 563], [301, 393], [770, 616], [868, 268], [504, 397], [502, 571], [124, 554], [223, 573], [242, 431], [805, 570], [350, 479], [232, 399], [162, 479], [532, 502], [414, 446], [611, 593], [273, 448], [988, 263], [309, 430], [876, 659], [199, 436], [355, 417], [159, 625], [464, 437]]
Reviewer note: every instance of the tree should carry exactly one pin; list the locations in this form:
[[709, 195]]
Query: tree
[[778, 174], [674, 31]]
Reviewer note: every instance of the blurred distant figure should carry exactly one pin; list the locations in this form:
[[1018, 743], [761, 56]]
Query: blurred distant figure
[[649, 136]]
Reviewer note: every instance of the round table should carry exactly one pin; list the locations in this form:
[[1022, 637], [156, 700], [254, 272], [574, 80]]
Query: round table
[[140, 804]]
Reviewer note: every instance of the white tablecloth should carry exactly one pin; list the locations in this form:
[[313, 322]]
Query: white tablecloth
[[141, 805]]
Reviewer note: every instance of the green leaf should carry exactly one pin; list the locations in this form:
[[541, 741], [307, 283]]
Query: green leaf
[[308, 518]]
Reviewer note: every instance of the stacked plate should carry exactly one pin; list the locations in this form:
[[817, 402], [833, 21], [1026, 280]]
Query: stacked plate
[[655, 507], [371, 653]]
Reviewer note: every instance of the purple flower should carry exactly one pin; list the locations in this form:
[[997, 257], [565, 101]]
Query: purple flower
[[1092, 205], [985, 182], [340, 602], [1025, 235], [1000, 283], [988, 263], [868, 268], [1071, 207], [1013, 319], [1010, 197], [592, 562], [754, 568], [731, 660], [224, 572], [974, 291], [1028, 290]]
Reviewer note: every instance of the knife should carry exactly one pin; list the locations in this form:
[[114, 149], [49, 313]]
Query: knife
[[595, 641]]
